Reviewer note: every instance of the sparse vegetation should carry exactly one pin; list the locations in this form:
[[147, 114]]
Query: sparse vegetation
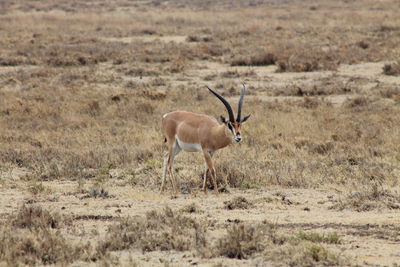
[[31, 237], [372, 197], [238, 203], [330, 238], [84, 84], [165, 230], [392, 69], [241, 242]]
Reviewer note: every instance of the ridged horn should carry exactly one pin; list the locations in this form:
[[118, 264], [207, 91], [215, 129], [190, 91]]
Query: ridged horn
[[228, 107], [240, 104]]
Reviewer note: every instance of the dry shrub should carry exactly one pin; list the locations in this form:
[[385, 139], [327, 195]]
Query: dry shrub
[[192, 38], [304, 249], [307, 60], [244, 241], [29, 238], [322, 87], [191, 208], [261, 59], [238, 203], [390, 92], [315, 148], [14, 61], [138, 72], [37, 247], [392, 68], [164, 230], [310, 254], [35, 217], [241, 241], [311, 102], [372, 197], [363, 44], [229, 171], [96, 193], [330, 238], [357, 102], [210, 50]]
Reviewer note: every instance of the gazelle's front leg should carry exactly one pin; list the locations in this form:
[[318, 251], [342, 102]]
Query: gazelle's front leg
[[207, 157], [205, 173]]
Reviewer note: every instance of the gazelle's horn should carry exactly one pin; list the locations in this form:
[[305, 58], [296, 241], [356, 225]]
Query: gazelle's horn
[[223, 100], [240, 104]]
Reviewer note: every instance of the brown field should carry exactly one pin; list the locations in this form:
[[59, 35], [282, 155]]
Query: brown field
[[83, 87]]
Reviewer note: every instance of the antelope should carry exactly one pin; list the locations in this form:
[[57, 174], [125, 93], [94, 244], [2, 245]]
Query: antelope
[[194, 132]]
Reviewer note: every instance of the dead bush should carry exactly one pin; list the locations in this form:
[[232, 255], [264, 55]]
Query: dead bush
[[357, 102], [96, 193], [310, 254], [310, 102], [363, 44], [370, 198], [38, 247], [261, 59], [14, 61], [190, 208], [229, 171], [390, 92], [35, 217], [238, 203], [242, 241], [392, 69], [192, 38], [319, 148], [31, 237], [307, 60], [164, 230]]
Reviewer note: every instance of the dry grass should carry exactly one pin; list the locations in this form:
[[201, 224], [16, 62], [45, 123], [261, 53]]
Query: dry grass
[[31, 237], [371, 197], [392, 69], [83, 89], [238, 203], [165, 230]]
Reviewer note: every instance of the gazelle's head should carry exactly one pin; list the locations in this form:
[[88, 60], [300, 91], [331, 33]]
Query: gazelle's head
[[233, 125]]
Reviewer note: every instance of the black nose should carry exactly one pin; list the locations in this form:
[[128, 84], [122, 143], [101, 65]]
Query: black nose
[[238, 139]]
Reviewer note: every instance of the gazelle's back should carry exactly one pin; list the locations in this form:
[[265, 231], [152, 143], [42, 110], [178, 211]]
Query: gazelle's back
[[186, 125]]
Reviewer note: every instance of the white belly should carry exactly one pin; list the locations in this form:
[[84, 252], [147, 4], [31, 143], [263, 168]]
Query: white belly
[[188, 147]]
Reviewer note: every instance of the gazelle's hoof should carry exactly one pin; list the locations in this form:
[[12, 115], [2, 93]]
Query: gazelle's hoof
[[224, 190]]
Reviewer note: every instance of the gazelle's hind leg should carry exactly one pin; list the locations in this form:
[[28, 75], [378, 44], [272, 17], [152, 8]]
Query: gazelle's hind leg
[[173, 152], [169, 156], [205, 179], [164, 173]]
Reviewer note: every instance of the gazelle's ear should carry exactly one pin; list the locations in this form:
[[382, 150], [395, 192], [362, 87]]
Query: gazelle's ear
[[245, 118], [223, 120]]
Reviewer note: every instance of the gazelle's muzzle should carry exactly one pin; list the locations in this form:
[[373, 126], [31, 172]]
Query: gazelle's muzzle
[[238, 138]]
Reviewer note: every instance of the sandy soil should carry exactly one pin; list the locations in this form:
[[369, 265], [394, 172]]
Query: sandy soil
[[368, 238]]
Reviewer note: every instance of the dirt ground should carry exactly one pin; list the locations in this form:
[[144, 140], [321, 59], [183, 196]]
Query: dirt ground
[[367, 238], [82, 91]]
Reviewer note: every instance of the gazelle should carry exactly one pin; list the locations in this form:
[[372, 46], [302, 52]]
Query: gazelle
[[194, 132]]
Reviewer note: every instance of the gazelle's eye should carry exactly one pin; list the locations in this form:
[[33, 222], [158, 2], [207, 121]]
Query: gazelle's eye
[[230, 126]]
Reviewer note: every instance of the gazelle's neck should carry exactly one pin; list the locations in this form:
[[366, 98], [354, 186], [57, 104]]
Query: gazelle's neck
[[223, 137]]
